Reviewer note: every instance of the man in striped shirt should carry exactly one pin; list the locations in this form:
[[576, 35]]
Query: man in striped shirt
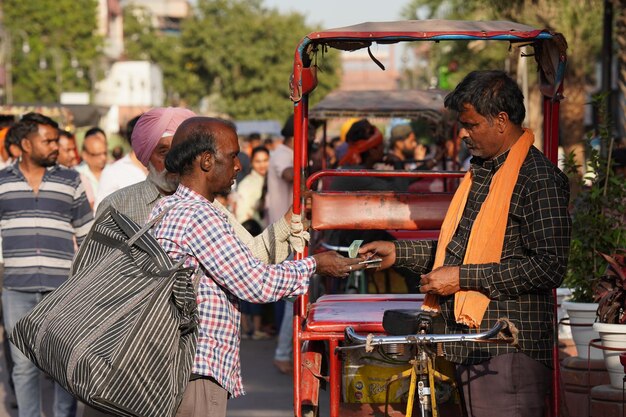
[[43, 211]]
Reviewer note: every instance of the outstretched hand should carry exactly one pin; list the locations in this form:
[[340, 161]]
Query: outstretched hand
[[381, 249], [332, 264]]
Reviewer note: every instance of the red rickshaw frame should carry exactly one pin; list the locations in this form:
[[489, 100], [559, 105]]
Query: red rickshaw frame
[[550, 55]]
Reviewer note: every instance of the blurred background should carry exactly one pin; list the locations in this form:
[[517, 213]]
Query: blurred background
[[101, 62]]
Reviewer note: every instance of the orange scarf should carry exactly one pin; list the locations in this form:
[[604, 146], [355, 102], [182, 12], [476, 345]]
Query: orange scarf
[[487, 236]]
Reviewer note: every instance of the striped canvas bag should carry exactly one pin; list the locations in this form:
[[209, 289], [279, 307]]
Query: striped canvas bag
[[120, 334]]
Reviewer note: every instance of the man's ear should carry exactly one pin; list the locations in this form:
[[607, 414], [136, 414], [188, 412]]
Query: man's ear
[[26, 145], [206, 161], [502, 121]]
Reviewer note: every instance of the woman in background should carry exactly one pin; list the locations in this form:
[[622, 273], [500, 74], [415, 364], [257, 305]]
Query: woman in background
[[249, 212], [249, 204]]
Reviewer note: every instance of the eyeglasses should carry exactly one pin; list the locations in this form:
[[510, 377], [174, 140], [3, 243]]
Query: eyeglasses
[[95, 154]]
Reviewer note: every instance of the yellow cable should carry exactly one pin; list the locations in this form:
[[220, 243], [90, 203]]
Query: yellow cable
[[409, 403], [441, 377]]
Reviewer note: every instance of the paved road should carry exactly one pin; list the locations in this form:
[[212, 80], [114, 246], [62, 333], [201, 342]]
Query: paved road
[[268, 392]]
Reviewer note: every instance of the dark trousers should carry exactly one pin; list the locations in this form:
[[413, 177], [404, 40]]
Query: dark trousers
[[512, 385]]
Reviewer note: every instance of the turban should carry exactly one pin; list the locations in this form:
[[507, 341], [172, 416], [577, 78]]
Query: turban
[[355, 149], [153, 125]]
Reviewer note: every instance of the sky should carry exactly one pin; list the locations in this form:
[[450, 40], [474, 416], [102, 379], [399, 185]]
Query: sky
[[337, 13]]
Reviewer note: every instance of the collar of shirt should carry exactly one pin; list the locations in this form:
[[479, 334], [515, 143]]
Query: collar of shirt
[[15, 169], [185, 193], [154, 193], [485, 166]]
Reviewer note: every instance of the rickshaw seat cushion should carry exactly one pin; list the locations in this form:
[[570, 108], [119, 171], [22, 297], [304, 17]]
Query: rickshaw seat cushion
[[364, 312], [374, 210], [399, 322]]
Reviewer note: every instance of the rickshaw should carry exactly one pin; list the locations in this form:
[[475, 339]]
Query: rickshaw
[[333, 322]]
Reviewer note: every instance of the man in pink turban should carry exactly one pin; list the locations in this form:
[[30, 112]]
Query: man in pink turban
[[153, 127], [151, 140]]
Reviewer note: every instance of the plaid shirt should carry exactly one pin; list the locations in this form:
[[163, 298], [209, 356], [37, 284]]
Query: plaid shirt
[[136, 201], [533, 261], [197, 228]]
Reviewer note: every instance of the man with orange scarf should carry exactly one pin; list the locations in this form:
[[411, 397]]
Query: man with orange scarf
[[503, 247]]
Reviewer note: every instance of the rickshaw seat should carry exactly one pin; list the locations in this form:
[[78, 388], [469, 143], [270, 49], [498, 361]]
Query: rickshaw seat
[[367, 210], [364, 312]]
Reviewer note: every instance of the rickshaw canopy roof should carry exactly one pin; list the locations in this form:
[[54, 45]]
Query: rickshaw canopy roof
[[549, 47], [354, 37], [385, 103]]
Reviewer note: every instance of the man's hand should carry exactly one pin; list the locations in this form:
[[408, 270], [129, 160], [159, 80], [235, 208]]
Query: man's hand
[[380, 249], [288, 213], [441, 281], [332, 264]]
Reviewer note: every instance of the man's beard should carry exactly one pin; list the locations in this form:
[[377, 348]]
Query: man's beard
[[45, 162], [163, 180], [408, 154]]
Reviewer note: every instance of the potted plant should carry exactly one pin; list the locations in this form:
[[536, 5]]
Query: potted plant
[[610, 294], [597, 209]]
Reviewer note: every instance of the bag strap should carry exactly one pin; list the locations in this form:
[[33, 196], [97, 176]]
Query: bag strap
[[153, 222], [197, 273]]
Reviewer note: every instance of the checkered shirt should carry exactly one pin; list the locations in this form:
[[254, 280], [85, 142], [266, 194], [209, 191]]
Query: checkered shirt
[[196, 229], [533, 261]]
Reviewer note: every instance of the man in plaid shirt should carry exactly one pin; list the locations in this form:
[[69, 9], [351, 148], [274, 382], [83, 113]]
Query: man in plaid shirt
[[204, 155], [499, 380]]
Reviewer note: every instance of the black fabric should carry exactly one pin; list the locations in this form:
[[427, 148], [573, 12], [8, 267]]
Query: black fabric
[[120, 334], [195, 377]]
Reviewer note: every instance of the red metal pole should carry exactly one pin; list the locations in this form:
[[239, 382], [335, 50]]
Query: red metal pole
[[297, 209], [335, 380], [310, 181], [551, 107]]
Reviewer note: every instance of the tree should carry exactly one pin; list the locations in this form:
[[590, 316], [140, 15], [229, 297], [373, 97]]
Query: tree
[[619, 6], [62, 46], [580, 21], [145, 42], [241, 56]]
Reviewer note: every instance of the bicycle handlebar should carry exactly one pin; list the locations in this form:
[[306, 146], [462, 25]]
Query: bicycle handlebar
[[501, 325]]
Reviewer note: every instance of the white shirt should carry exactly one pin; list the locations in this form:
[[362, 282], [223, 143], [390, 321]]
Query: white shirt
[[118, 175], [249, 192], [279, 192], [87, 174]]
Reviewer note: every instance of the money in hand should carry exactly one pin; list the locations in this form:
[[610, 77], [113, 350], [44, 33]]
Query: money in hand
[[353, 249]]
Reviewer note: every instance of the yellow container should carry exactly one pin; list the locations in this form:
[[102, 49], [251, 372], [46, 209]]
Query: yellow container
[[364, 378]]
